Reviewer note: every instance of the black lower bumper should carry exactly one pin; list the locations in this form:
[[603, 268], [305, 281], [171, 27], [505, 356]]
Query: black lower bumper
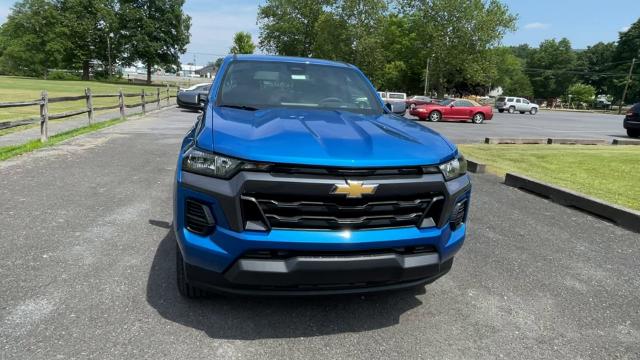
[[322, 275], [631, 124]]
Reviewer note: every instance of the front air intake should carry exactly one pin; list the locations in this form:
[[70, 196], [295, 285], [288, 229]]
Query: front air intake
[[198, 217]]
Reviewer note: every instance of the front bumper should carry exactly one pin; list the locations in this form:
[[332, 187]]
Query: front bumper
[[322, 261]]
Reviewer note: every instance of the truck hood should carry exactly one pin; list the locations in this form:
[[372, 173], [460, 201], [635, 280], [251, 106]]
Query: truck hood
[[324, 137]]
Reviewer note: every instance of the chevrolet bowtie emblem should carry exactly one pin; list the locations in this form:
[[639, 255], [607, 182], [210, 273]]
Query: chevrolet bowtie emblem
[[354, 189]]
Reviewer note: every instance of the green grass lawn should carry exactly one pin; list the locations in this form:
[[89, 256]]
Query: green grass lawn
[[21, 89], [610, 173]]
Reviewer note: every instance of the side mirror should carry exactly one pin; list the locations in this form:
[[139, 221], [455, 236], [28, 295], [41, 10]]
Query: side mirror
[[451, 105], [202, 101], [388, 106]]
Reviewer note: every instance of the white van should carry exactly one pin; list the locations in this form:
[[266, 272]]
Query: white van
[[396, 100]]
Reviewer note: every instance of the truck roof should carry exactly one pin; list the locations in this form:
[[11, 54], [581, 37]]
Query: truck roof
[[290, 59]]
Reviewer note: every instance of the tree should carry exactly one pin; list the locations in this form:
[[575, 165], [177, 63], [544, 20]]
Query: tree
[[242, 43], [509, 73], [218, 63], [87, 24], [156, 33], [582, 93], [551, 68], [627, 49], [31, 42], [458, 36], [349, 31], [288, 27], [593, 62]]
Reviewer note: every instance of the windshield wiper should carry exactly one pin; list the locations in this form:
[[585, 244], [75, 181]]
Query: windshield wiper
[[242, 107]]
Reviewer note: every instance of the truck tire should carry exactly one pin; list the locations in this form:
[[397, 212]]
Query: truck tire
[[500, 111], [634, 133], [184, 288], [512, 109], [533, 111]]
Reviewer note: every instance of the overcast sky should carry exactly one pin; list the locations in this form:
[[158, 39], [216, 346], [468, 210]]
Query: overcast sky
[[584, 22]]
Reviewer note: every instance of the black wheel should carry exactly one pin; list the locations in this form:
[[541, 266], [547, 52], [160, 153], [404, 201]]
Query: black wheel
[[500, 111], [184, 288], [435, 116], [634, 133], [512, 109], [478, 118], [533, 111]]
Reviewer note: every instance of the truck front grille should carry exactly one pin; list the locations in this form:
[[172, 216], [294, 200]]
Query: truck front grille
[[332, 213]]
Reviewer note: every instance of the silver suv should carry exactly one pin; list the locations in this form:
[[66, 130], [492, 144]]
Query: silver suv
[[513, 104]]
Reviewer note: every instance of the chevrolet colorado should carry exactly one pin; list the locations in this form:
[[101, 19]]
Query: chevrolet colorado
[[297, 180]]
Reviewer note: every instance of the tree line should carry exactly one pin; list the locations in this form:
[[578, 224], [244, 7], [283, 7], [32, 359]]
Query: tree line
[[456, 44], [40, 35]]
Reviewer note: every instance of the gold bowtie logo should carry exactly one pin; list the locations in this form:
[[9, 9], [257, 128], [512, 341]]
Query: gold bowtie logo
[[354, 189]]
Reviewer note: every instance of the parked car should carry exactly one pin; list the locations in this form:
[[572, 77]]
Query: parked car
[[602, 102], [193, 97], [307, 186], [513, 104], [454, 110], [632, 121], [396, 100], [416, 100]]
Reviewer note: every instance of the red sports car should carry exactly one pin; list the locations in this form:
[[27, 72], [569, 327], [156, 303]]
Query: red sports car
[[454, 110]]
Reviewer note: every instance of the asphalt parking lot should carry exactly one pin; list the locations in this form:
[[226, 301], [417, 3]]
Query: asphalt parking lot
[[545, 124], [87, 266]]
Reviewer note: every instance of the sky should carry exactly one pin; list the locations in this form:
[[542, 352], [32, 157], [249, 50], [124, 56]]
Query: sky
[[583, 22]]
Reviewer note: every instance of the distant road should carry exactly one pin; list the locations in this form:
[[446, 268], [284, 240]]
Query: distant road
[[87, 261], [559, 124]]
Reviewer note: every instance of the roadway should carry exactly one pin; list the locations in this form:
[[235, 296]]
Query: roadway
[[87, 266], [545, 124]]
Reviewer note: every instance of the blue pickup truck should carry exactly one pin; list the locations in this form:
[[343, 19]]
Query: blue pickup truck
[[297, 180]]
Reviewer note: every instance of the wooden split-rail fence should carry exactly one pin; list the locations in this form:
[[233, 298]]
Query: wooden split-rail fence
[[44, 101]]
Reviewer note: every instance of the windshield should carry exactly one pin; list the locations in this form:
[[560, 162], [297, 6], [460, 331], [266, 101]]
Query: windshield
[[252, 85]]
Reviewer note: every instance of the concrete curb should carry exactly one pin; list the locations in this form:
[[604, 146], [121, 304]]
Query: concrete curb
[[577, 141], [623, 217], [476, 167], [518, 141], [625, 142]]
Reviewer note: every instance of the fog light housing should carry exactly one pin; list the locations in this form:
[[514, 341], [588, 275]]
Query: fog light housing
[[457, 214], [198, 217]]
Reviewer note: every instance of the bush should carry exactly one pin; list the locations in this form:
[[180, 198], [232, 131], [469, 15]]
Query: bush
[[62, 75], [582, 93]]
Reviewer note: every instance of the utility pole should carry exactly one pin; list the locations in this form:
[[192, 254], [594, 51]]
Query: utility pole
[[109, 52], [426, 76], [626, 87]]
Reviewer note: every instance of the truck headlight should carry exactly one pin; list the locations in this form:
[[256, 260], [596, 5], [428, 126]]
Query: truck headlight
[[206, 163], [454, 168]]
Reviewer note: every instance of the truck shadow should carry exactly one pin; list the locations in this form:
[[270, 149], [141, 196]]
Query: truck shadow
[[250, 318]]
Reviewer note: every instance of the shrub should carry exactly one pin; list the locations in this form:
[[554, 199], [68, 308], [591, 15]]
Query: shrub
[[62, 75]]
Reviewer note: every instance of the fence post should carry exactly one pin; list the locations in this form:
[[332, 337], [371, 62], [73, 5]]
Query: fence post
[[158, 96], [144, 107], [121, 103], [44, 117], [168, 96], [87, 93]]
